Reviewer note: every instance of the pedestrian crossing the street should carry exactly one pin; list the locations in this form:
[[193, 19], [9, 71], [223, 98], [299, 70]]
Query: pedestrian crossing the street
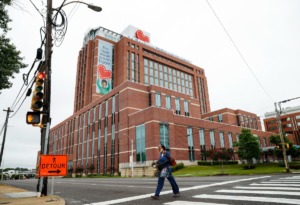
[[282, 191]]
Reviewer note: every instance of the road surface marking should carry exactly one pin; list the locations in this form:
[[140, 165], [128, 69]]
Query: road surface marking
[[258, 192], [287, 185], [270, 188], [284, 182], [116, 201], [249, 198], [191, 203]]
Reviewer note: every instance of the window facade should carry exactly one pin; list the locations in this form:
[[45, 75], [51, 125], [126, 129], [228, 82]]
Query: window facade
[[140, 143], [186, 108], [158, 99], [167, 77], [230, 140], [190, 143], [164, 135], [168, 102], [222, 142], [202, 144], [220, 118], [212, 139], [177, 106]]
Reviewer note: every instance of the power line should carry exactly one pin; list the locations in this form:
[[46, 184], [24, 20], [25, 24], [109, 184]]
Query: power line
[[240, 53], [31, 82]]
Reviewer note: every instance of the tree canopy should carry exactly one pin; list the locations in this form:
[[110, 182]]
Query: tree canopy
[[248, 145], [10, 60]]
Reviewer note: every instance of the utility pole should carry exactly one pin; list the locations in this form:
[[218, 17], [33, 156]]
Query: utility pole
[[46, 120], [4, 136], [278, 113]]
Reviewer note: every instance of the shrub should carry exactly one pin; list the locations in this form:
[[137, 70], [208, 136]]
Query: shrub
[[177, 167], [249, 167], [211, 163]]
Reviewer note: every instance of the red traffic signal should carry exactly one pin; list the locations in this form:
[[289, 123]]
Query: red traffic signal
[[38, 95]]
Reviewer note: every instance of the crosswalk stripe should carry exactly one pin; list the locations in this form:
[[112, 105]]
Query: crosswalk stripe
[[191, 203], [248, 198], [270, 188], [285, 182], [258, 192], [287, 185], [293, 177], [132, 198]]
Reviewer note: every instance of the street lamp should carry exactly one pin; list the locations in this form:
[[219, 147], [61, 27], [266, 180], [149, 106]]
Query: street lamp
[[131, 157], [90, 6]]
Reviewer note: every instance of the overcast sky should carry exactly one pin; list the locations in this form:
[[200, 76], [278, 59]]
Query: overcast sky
[[266, 32]]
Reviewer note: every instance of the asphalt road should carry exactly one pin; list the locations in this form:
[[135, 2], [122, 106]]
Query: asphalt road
[[217, 190]]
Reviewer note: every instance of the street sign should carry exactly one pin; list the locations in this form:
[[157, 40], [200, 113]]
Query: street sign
[[53, 165]]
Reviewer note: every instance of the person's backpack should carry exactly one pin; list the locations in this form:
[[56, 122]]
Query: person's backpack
[[172, 161]]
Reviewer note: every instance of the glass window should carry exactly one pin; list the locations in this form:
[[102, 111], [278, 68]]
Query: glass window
[[220, 118], [128, 65], [212, 138], [161, 76], [158, 99], [133, 76], [177, 106], [140, 143], [230, 140], [146, 72], [168, 102], [265, 142], [186, 108], [201, 135], [242, 120], [164, 135], [190, 143], [222, 143]]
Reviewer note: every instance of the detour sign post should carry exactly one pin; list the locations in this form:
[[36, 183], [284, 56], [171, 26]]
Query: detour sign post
[[53, 165]]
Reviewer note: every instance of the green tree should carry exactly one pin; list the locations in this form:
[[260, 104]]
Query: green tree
[[10, 60], [248, 146]]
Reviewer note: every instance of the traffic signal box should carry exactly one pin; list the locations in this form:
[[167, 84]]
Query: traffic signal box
[[37, 100], [37, 96], [287, 146]]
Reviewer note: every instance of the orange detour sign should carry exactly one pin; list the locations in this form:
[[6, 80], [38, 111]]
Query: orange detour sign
[[53, 165]]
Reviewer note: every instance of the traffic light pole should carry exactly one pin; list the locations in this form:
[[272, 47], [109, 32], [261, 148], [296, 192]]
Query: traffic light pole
[[278, 113]]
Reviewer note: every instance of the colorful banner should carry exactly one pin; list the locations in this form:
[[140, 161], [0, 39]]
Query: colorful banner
[[104, 67]]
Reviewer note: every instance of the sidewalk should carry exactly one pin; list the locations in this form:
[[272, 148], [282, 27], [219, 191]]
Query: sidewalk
[[16, 196]]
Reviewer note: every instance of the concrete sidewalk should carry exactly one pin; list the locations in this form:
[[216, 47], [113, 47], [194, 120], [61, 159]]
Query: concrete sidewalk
[[12, 195]]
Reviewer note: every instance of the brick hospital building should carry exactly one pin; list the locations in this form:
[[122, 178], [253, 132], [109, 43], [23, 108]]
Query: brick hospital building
[[130, 96]]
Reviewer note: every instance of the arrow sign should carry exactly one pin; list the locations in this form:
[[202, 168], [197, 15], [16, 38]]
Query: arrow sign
[[55, 171]]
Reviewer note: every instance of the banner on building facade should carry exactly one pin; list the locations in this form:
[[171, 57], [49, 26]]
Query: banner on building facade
[[104, 67]]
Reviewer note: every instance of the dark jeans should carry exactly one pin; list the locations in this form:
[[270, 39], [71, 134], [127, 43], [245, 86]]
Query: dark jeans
[[161, 181]]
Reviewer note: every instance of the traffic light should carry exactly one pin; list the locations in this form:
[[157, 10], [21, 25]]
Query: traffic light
[[33, 117], [37, 96], [287, 146]]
